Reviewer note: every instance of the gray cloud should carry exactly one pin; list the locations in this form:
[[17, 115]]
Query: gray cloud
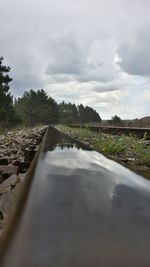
[[66, 57], [74, 45], [26, 82], [135, 58], [108, 87], [69, 61]]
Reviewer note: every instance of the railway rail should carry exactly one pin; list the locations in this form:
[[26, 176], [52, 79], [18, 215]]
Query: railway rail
[[139, 132], [78, 209]]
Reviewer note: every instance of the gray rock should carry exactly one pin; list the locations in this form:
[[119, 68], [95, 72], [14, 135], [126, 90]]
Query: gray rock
[[87, 143], [15, 162], [8, 200], [19, 147], [7, 170], [126, 160], [29, 154], [1, 178], [146, 143], [9, 183], [22, 176], [23, 166]]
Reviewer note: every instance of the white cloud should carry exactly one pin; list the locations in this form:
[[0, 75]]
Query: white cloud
[[146, 95]]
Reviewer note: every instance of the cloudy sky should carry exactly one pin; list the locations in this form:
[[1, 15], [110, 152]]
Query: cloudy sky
[[95, 52]]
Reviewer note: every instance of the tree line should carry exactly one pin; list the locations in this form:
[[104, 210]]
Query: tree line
[[36, 107]]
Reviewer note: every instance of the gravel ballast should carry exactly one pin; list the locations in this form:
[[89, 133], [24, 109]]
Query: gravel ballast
[[17, 149]]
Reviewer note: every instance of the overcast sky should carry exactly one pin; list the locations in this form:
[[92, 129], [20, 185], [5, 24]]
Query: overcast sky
[[95, 52]]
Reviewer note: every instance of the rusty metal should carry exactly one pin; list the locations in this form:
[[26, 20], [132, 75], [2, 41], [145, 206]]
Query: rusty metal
[[80, 210], [136, 131]]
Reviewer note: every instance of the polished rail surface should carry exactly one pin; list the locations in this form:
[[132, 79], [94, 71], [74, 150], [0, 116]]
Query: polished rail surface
[[82, 210]]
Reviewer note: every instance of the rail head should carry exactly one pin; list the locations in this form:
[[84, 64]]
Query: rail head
[[81, 209]]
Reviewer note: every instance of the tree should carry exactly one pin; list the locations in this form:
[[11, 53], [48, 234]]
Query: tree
[[36, 107], [116, 121], [6, 100], [88, 114], [68, 113]]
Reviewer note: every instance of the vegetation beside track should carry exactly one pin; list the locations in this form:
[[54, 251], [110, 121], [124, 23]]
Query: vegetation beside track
[[127, 150]]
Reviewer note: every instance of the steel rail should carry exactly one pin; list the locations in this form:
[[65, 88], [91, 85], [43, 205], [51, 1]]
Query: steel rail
[[79, 209], [139, 132]]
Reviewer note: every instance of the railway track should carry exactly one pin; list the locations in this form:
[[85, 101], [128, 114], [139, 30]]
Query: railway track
[[139, 132], [78, 209]]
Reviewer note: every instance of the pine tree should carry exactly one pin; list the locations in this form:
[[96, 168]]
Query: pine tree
[[36, 107], [6, 101]]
